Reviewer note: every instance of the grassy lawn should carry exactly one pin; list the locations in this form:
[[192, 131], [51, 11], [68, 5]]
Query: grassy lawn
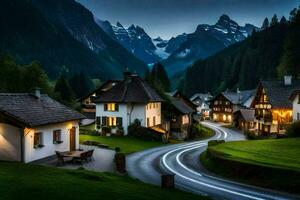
[[272, 163], [127, 144], [24, 181], [203, 132], [281, 153]]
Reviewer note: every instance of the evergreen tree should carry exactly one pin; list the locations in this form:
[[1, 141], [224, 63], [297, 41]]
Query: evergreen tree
[[290, 63], [265, 24], [80, 84], [159, 77], [283, 20], [274, 20], [63, 90]]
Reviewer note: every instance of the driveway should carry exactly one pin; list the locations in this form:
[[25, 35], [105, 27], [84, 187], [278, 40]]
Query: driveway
[[103, 160], [183, 161]]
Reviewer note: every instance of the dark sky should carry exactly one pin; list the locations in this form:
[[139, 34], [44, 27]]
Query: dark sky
[[167, 18]]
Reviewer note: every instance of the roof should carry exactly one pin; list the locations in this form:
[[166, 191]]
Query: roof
[[132, 89], [247, 114], [278, 93], [31, 111], [180, 105], [201, 96], [179, 95], [294, 94], [105, 86], [239, 97]]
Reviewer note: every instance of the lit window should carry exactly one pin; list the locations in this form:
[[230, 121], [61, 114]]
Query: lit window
[[224, 117], [38, 140], [57, 136], [112, 121], [111, 107]]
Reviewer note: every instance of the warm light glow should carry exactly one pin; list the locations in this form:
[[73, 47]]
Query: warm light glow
[[224, 117], [229, 118], [112, 121], [214, 116]]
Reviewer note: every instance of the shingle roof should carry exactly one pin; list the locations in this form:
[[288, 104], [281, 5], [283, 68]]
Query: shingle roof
[[32, 111], [181, 106], [133, 89], [247, 114], [278, 93], [239, 98]]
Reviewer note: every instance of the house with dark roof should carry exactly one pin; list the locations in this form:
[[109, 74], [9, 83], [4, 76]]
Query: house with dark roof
[[128, 100], [182, 113], [273, 108], [34, 126], [244, 119], [88, 107], [226, 103], [202, 101]]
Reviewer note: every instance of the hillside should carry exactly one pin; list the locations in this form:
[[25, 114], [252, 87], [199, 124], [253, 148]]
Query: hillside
[[61, 33], [240, 65]]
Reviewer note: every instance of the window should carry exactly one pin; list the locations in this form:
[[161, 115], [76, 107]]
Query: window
[[111, 107], [298, 116], [38, 140], [148, 122], [57, 137], [119, 121], [216, 102], [98, 122], [112, 121], [154, 122]]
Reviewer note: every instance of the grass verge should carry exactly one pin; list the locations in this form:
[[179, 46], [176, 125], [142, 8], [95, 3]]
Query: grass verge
[[24, 181], [270, 163]]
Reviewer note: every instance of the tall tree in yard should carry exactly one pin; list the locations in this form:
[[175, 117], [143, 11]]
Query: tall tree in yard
[[159, 77]]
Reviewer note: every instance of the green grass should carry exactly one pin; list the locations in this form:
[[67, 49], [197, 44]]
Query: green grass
[[24, 181], [280, 153], [203, 132], [272, 163], [127, 144]]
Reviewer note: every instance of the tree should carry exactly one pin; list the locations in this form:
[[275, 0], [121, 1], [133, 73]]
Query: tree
[[80, 84], [159, 77], [274, 20], [283, 20], [265, 24], [63, 90]]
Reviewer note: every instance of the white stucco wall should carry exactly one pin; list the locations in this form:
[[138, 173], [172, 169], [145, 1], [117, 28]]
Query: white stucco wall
[[31, 153], [154, 112], [296, 108], [138, 111], [10, 143]]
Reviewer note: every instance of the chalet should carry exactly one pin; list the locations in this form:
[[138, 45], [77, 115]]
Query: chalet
[[226, 103], [34, 126], [130, 99], [244, 119], [202, 102], [88, 108], [273, 109], [295, 98], [182, 115]]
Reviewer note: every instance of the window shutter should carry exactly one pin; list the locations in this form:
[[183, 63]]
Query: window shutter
[[119, 121], [104, 123], [105, 107], [98, 120], [117, 107]]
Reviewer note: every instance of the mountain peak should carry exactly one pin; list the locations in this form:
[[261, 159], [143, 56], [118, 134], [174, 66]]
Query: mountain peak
[[224, 18], [132, 27], [119, 25]]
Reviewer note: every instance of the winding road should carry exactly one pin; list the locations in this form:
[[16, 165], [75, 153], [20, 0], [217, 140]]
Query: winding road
[[183, 161]]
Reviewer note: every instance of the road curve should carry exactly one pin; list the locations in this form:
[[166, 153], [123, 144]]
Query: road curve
[[183, 161]]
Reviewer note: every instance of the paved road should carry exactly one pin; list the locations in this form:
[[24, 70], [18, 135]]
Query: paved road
[[183, 160]]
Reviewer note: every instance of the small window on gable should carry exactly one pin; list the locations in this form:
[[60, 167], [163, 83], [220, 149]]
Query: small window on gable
[[57, 137], [38, 140]]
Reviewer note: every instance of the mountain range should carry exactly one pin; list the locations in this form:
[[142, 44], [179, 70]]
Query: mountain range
[[62, 35], [180, 51]]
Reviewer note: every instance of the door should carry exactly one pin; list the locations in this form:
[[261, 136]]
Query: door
[[73, 139]]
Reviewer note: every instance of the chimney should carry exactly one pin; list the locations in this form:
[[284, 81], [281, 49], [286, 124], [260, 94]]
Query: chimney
[[287, 80], [37, 92]]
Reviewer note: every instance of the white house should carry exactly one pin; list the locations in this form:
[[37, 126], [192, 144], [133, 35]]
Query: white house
[[202, 102], [295, 98], [127, 101], [34, 126]]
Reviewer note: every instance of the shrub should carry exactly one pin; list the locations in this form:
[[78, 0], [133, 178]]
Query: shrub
[[215, 142], [137, 131], [106, 129], [294, 129]]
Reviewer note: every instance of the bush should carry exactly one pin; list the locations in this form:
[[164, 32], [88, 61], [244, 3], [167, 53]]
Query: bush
[[137, 131], [106, 129], [215, 142], [250, 135], [293, 130], [199, 131]]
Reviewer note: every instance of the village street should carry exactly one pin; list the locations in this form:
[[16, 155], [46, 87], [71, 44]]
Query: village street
[[183, 161]]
